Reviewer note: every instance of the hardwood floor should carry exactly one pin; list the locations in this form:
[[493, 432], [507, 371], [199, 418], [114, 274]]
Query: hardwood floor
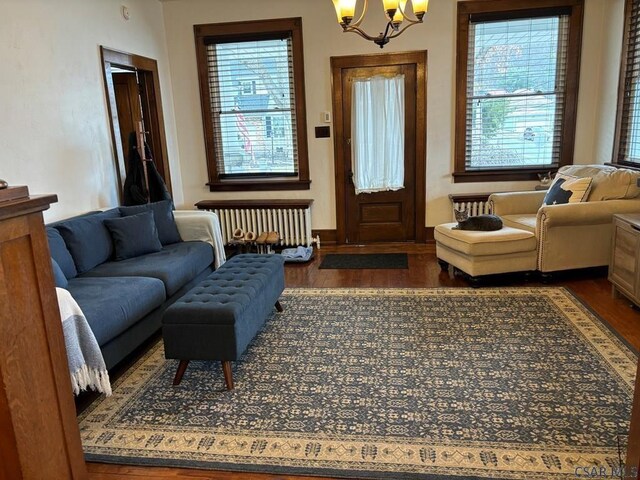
[[423, 272]]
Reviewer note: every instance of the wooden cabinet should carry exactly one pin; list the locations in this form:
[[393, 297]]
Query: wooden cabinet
[[39, 435], [624, 267]]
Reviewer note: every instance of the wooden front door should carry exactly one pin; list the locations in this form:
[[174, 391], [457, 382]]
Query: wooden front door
[[388, 216]]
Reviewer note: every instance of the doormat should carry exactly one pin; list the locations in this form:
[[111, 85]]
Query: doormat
[[388, 384], [365, 260]]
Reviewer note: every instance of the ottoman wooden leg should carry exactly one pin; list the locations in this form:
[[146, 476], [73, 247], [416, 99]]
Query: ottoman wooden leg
[[279, 307], [475, 282], [181, 369], [444, 266], [228, 375]]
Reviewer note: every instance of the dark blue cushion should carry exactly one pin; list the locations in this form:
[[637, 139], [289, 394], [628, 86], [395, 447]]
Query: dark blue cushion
[[114, 304], [163, 215], [60, 253], [134, 235], [175, 265], [58, 276], [88, 239], [218, 318]]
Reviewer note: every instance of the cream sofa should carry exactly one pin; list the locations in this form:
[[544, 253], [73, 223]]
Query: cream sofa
[[574, 235]]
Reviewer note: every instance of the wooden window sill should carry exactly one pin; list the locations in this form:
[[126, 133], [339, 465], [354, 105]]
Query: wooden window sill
[[247, 185], [500, 175]]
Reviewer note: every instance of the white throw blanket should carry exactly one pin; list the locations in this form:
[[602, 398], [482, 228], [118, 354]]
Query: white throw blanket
[[86, 364], [204, 226]]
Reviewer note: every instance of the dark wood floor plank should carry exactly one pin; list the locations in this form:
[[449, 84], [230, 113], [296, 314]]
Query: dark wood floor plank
[[423, 272]]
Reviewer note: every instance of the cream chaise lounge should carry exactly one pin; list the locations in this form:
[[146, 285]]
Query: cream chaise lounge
[[567, 236]]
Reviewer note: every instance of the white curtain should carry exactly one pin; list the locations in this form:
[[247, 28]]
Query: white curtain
[[377, 134]]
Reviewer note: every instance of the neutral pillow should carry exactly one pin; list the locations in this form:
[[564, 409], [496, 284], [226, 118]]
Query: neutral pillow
[[163, 216], [567, 189], [609, 183], [58, 277], [134, 235]]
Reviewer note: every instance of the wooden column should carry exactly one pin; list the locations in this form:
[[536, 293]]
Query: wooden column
[[39, 435]]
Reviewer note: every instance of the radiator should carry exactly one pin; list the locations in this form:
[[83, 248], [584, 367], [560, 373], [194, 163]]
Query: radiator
[[477, 207], [292, 224]]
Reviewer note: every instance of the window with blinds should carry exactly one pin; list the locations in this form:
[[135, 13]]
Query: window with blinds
[[515, 92], [251, 77], [518, 68], [252, 98], [628, 125]]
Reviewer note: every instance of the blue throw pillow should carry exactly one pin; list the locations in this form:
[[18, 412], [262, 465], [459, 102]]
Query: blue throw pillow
[[58, 277], [134, 235], [163, 216], [60, 253], [88, 239]]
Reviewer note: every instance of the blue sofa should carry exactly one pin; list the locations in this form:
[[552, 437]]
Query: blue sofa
[[124, 300]]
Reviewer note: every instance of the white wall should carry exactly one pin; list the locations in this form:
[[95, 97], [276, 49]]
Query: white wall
[[323, 38], [54, 130]]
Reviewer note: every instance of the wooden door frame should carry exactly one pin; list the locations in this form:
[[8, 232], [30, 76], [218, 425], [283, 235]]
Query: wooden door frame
[[417, 58], [147, 69]]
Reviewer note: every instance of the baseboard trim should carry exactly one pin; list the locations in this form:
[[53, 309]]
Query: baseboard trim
[[327, 237], [430, 235]]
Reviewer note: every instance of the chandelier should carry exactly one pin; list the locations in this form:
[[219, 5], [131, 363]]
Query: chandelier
[[395, 10]]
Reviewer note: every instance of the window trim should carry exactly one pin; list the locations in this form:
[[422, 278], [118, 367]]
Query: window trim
[[617, 139], [239, 31], [494, 9]]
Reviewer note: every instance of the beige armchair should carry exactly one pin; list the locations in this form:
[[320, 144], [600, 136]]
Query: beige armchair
[[574, 235]]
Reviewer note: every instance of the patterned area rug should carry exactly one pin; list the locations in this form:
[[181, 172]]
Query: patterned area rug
[[396, 383]]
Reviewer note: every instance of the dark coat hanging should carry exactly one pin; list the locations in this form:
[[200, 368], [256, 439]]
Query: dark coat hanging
[[135, 189]]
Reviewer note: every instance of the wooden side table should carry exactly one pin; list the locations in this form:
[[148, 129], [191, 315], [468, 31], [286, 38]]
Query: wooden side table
[[624, 266]]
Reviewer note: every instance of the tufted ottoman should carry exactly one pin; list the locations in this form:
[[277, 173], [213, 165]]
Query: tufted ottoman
[[218, 318], [485, 253]]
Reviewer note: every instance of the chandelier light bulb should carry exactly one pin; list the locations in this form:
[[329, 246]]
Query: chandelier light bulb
[[401, 12], [420, 7], [345, 9], [398, 19]]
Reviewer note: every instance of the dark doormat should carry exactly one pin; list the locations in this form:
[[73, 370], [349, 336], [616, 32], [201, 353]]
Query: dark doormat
[[365, 260]]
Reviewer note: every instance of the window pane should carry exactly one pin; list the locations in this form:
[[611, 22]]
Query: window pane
[[253, 108], [515, 92], [257, 143], [628, 121], [633, 141], [515, 56], [512, 132]]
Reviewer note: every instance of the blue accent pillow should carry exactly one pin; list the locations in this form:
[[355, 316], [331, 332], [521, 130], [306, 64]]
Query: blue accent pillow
[[568, 189], [134, 235], [58, 277], [60, 253], [163, 216], [88, 239]]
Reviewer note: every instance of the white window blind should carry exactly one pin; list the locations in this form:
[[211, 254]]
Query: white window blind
[[252, 96], [629, 148], [516, 88]]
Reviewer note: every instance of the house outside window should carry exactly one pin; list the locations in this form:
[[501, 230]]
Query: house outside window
[[252, 94], [627, 140], [517, 82]]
